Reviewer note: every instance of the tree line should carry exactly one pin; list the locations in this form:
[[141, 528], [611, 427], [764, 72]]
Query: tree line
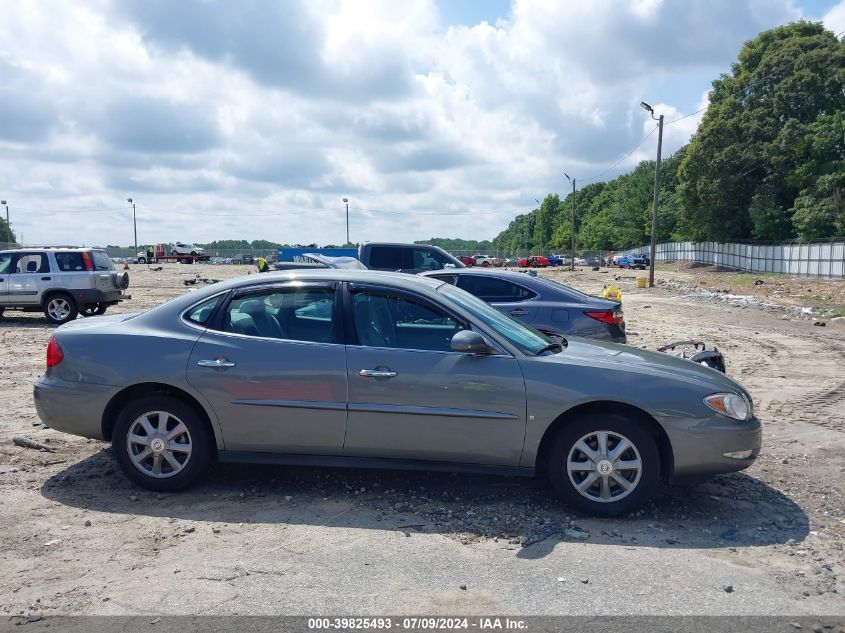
[[766, 163]]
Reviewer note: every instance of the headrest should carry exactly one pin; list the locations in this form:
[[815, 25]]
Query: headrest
[[252, 307]]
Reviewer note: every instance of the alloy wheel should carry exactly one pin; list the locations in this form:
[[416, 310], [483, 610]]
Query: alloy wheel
[[59, 309]]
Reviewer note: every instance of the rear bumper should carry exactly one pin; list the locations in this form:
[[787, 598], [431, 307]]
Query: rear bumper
[[95, 295], [715, 445], [72, 407]]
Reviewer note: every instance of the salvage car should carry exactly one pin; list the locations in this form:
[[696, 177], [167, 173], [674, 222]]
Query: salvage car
[[551, 307], [385, 370]]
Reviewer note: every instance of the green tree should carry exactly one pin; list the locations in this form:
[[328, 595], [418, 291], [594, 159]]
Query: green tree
[[756, 151], [6, 233]]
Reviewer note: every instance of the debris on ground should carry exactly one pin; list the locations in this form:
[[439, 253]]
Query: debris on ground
[[28, 442]]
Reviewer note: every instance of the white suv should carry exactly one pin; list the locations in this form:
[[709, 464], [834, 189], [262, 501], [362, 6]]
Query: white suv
[[484, 260], [180, 248], [61, 282]]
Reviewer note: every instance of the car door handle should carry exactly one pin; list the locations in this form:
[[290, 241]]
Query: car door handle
[[217, 363], [519, 312], [377, 373], [46, 278]]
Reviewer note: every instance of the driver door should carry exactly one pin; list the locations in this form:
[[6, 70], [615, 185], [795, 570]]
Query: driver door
[[412, 397]]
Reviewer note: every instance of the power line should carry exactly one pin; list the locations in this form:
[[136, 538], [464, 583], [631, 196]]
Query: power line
[[620, 160], [686, 116]]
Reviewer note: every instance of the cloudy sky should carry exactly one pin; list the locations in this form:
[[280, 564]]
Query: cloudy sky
[[253, 119]]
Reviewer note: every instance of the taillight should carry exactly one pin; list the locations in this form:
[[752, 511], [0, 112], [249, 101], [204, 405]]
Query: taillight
[[55, 355], [611, 317]]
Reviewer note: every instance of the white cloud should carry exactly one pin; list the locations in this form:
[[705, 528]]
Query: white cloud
[[200, 109], [835, 18]]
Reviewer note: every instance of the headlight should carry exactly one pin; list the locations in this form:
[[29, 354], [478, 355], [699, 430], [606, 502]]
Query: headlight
[[731, 405]]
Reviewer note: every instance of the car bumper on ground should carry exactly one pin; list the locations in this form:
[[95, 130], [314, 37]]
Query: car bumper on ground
[[715, 445], [75, 408]]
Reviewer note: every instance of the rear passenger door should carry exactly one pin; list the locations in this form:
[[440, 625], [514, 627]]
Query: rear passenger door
[[273, 367], [507, 296]]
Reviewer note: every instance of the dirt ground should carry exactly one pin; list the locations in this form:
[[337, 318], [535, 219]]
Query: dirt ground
[[77, 538]]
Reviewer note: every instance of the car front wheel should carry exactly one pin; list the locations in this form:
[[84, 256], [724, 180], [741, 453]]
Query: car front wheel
[[161, 443], [604, 464]]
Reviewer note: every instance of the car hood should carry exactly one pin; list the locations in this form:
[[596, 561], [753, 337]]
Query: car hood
[[614, 355]]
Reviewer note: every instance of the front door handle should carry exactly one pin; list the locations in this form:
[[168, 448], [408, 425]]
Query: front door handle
[[45, 278], [519, 312], [217, 363], [377, 373]]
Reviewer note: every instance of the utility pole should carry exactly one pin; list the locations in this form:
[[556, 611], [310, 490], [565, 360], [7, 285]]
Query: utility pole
[[572, 253], [346, 200], [653, 252], [134, 224], [5, 204]]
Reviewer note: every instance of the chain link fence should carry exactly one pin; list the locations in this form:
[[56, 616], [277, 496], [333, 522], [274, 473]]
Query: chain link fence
[[819, 258]]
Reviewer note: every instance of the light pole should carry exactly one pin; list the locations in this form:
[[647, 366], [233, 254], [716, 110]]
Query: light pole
[[5, 204], [572, 255], [134, 225], [346, 201], [653, 252]]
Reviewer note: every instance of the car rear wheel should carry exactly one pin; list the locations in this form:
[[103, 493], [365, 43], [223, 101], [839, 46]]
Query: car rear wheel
[[161, 443], [604, 464], [174, 252], [60, 308]]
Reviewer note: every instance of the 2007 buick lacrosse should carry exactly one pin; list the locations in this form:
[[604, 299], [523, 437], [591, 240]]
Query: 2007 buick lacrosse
[[385, 370]]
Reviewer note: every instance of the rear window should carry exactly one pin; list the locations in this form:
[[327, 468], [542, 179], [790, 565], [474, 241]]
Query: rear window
[[101, 261], [201, 313]]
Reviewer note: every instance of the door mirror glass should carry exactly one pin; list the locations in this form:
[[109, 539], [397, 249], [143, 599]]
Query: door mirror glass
[[469, 342]]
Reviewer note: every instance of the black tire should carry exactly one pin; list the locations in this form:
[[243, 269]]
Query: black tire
[[620, 425], [1, 312], [60, 307], [174, 252], [193, 252], [142, 260], [200, 440]]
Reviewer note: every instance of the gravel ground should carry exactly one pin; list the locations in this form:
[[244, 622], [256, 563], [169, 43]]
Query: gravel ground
[[77, 538]]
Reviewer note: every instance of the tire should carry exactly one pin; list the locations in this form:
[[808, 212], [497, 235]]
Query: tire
[[587, 429], [60, 307], [193, 252], [157, 410], [1, 312], [485, 264], [174, 252], [142, 260]]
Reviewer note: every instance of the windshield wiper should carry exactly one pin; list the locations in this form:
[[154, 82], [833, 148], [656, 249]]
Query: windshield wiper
[[551, 347]]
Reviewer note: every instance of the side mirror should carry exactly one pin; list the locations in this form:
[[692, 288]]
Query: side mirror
[[469, 342]]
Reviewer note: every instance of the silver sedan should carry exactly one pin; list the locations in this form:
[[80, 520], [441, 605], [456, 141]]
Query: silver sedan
[[384, 370]]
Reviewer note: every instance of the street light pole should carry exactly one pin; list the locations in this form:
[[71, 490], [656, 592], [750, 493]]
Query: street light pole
[[134, 224], [346, 200], [572, 254], [653, 251], [5, 204]]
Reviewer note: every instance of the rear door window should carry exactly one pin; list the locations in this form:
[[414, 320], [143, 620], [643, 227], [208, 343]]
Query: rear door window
[[494, 290], [70, 262], [386, 257]]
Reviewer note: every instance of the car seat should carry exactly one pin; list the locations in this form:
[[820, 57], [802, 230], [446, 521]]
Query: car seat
[[264, 323]]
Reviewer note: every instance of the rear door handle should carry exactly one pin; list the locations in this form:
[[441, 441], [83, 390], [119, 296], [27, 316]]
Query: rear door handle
[[519, 312], [46, 278], [377, 373], [216, 363]]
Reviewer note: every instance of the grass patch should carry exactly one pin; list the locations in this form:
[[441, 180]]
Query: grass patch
[[748, 279], [838, 311]]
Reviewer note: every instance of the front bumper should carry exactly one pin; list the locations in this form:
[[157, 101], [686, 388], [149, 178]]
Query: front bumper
[[72, 407], [715, 445]]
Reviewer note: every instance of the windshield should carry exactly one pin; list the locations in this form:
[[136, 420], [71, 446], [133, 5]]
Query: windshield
[[528, 340], [575, 294]]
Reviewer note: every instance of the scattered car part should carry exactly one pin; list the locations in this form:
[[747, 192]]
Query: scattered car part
[[700, 354]]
